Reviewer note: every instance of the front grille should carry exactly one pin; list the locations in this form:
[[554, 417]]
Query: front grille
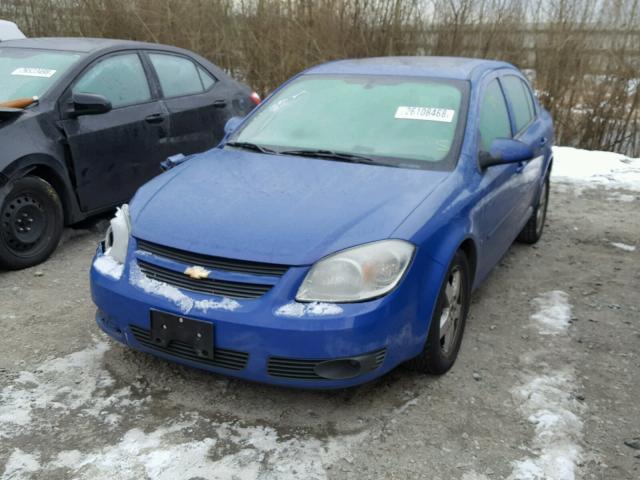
[[215, 263], [305, 369], [222, 358], [209, 286]]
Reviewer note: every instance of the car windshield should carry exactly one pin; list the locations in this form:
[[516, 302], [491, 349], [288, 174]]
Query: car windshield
[[27, 72], [401, 121]]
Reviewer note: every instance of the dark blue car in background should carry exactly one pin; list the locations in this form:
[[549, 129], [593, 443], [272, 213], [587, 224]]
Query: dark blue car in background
[[339, 230]]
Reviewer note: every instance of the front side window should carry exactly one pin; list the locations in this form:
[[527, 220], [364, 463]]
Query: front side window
[[119, 78], [494, 116], [178, 75], [402, 121], [28, 72], [520, 98]]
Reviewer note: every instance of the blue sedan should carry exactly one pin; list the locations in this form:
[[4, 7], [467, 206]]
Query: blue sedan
[[338, 230]]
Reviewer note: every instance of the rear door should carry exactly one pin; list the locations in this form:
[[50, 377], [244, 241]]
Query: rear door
[[114, 153], [198, 104], [529, 129]]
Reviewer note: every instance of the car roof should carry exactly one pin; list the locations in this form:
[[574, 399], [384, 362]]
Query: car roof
[[80, 44], [439, 67]]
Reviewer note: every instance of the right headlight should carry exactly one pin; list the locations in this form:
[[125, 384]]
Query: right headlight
[[116, 241], [358, 273]]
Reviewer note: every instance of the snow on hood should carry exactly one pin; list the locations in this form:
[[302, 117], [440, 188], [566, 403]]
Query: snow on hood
[[276, 209]]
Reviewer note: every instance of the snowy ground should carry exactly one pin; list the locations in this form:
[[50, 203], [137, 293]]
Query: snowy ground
[[546, 385]]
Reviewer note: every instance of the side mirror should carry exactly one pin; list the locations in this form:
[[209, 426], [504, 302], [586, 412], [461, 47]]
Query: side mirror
[[505, 150], [89, 104], [232, 124]]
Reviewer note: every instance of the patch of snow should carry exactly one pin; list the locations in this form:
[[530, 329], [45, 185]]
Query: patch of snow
[[314, 309], [549, 405], [59, 386], [554, 312], [185, 303], [20, 465], [77, 391], [179, 450], [106, 265], [547, 402], [624, 246], [405, 405], [621, 197], [585, 168], [224, 304]]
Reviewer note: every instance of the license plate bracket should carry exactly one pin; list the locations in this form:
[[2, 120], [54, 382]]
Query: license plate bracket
[[187, 332]]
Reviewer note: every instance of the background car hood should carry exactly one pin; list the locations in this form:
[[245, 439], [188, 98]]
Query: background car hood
[[276, 209]]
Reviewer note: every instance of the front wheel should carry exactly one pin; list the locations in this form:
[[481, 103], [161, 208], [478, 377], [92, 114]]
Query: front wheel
[[532, 231], [448, 322], [31, 221]]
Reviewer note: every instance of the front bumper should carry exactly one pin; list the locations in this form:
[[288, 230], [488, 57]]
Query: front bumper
[[350, 343]]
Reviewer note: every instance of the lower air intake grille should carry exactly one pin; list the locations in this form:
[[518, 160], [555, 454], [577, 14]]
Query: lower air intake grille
[[222, 358], [306, 369]]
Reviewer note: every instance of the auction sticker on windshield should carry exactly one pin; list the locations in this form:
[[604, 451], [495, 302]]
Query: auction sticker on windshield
[[425, 113], [34, 72]]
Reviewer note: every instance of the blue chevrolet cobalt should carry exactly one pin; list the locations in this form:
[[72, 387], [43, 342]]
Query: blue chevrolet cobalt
[[338, 230]]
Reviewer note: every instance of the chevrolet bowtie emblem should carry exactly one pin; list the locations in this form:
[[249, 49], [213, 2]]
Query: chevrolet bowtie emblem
[[197, 273]]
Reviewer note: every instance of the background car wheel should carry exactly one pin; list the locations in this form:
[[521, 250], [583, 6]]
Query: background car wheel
[[448, 322], [31, 221], [532, 231]]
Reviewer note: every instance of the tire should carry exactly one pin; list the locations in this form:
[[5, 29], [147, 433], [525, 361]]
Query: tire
[[31, 221], [441, 349], [532, 231]]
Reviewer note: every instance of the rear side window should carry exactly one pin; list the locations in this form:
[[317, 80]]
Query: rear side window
[[207, 79], [120, 79], [178, 75], [520, 98], [494, 117]]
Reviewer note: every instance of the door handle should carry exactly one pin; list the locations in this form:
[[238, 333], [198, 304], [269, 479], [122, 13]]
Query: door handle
[[155, 118], [520, 167], [219, 104], [543, 141]]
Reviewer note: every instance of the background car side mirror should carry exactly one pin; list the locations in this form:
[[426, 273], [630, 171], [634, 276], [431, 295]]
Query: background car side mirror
[[89, 104], [232, 124], [505, 150]]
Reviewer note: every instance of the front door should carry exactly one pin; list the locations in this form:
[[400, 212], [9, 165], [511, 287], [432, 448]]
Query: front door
[[500, 185], [113, 153]]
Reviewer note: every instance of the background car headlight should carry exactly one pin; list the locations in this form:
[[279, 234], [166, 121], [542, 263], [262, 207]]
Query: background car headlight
[[116, 240], [356, 274]]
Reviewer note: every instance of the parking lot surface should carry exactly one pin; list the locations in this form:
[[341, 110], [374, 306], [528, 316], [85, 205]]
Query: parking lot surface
[[546, 386]]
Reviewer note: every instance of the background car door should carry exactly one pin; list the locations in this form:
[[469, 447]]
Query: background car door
[[501, 200], [114, 153], [529, 129], [197, 103]]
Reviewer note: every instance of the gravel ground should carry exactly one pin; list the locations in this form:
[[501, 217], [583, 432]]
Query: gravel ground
[[546, 385]]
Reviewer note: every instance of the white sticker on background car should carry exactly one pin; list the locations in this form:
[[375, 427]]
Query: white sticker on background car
[[34, 72], [425, 113]]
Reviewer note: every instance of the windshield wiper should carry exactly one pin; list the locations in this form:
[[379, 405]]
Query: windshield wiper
[[251, 146], [317, 153]]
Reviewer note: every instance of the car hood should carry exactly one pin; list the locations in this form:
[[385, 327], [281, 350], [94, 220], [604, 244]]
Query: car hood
[[275, 208]]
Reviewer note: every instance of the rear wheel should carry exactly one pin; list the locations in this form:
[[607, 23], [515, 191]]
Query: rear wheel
[[532, 231], [31, 221], [448, 322]]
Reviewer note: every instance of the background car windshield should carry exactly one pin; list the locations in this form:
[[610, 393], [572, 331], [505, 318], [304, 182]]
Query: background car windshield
[[391, 119], [26, 72]]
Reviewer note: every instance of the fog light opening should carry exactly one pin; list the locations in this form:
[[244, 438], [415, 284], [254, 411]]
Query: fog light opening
[[339, 369]]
